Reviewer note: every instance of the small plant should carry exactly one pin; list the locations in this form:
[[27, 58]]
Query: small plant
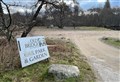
[[105, 38], [117, 40]]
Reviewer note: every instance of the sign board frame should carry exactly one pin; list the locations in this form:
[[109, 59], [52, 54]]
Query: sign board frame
[[32, 50]]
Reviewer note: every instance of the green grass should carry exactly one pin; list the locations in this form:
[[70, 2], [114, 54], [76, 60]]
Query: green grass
[[64, 52], [78, 28], [112, 41], [87, 28], [92, 28]]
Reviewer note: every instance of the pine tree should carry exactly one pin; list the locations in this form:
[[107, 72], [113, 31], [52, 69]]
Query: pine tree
[[106, 14], [107, 5]]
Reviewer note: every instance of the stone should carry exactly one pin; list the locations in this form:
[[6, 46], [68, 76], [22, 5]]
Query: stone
[[50, 26], [61, 71]]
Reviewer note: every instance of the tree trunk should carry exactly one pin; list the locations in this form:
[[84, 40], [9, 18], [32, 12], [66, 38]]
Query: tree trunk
[[32, 22]]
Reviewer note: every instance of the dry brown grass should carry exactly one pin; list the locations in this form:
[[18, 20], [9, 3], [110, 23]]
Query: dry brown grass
[[61, 52], [9, 56]]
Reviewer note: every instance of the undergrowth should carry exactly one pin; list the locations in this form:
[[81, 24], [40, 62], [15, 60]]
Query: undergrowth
[[61, 52]]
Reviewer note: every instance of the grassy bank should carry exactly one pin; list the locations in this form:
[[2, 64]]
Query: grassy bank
[[112, 41], [92, 28], [78, 28], [63, 52]]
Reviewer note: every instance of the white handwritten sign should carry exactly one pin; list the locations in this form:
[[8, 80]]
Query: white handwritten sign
[[32, 50]]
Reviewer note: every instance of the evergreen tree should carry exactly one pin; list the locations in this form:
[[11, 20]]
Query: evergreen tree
[[107, 5], [106, 15]]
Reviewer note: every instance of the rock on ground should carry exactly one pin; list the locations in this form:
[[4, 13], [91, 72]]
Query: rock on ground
[[61, 71]]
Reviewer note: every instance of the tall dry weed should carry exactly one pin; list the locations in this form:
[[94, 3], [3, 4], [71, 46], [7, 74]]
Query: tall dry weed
[[9, 56]]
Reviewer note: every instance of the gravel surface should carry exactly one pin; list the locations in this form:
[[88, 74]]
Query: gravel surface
[[103, 58]]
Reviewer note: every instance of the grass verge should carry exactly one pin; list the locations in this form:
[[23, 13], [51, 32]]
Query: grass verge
[[64, 52], [92, 28], [78, 28], [112, 41]]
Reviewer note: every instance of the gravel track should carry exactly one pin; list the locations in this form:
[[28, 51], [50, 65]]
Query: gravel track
[[104, 59]]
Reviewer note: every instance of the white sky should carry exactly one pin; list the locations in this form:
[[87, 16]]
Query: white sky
[[101, 1], [85, 4]]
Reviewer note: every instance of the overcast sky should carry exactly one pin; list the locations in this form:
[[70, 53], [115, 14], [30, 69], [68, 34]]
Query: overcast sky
[[84, 4]]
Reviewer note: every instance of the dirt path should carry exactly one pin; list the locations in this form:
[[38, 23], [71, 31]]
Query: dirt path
[[103, 58]]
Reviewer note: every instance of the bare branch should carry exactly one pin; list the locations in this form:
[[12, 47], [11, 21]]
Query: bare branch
[[33, 22], [8, 14], [52, 3]]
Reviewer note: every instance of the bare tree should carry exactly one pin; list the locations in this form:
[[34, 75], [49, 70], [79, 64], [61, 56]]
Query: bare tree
[[5, 25], [33, 22], [58, 15], [6, 28]]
